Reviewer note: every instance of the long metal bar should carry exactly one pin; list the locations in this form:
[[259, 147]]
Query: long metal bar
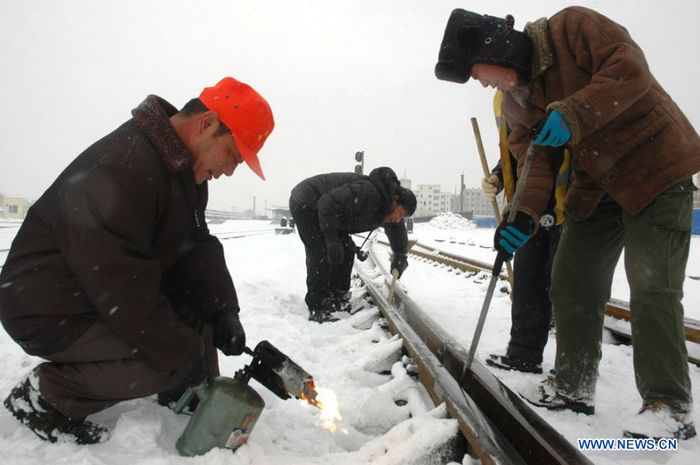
[[522, 183], [482, 319]]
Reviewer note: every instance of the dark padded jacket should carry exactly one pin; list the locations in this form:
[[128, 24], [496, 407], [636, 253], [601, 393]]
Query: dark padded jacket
[[350, 203], [121, 221]]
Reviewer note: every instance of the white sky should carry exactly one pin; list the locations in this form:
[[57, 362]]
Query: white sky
[[340, 75]]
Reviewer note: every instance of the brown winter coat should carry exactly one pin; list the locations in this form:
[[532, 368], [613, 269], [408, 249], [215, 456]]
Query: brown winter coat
[[629, 139], [119, 227]]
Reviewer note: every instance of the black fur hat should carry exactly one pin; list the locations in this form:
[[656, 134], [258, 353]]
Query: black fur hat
[[473, 38]]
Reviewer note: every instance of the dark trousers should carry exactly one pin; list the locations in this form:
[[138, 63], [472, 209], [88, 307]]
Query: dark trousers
[[100, 369], [321, 277], [531, 311], [656, 244]]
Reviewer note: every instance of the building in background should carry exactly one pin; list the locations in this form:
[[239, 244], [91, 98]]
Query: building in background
[[220, 216], [277, 213], [473, 203], [15, 207], [431, 200]]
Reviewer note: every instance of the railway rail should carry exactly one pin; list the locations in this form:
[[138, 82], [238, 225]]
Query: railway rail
[[498, 426], [618, 315], [239, 234]]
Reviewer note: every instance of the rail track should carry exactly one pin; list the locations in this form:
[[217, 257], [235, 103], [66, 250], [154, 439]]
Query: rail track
[[618, 315], [239, 234], [498, 426]]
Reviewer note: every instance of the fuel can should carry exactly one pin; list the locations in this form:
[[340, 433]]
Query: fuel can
[[227, 412]]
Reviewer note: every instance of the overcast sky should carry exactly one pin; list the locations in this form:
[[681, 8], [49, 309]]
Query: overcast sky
[[340, 76]]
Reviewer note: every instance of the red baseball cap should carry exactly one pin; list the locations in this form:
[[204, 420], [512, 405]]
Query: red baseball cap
[[245, 113]]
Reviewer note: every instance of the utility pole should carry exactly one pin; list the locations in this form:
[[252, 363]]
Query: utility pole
[[253, 206], [360, 159], [461, 195]]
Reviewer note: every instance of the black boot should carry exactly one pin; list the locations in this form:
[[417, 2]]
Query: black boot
[[28, 406], [506, 362], [325, 312], [342, 300]]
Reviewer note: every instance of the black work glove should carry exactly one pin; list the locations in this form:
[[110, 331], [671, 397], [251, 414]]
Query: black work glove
[[510, 237], [399, 262], [229, 336], [335, 250]]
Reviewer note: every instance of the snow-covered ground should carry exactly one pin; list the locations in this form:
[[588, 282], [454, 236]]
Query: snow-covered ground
[[349, 357]]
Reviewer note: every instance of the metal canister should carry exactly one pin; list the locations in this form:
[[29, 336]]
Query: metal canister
[[227, 412]]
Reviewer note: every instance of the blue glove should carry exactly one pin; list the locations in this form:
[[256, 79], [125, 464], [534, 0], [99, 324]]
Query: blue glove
[[510, 237], [555, 132]]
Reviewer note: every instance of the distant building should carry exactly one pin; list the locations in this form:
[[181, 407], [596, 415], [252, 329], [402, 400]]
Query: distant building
[[278, 213], [473, 201], [219, 216], [15, 207], [431, 200], [696, 195]]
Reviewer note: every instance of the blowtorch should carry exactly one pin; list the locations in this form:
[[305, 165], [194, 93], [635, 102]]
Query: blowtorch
[[228, 408]]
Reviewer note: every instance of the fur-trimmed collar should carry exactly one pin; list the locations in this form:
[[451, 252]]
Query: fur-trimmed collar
[[542, 56], [152, 116]]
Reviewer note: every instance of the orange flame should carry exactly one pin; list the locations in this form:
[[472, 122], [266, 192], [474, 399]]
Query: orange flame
[[327, 402]]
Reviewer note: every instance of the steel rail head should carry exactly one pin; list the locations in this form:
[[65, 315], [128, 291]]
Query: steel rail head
[[486, 441]]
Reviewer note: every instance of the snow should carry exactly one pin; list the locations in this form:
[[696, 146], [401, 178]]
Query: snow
[[386, 416], [451, 221]]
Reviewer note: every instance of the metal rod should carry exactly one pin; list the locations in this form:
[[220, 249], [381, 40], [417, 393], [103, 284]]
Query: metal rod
[[522, 182], [392, 288]]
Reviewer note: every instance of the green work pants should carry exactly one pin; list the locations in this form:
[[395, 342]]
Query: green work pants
[[656, 243]]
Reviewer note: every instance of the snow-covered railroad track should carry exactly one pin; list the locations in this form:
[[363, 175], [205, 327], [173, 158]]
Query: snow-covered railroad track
[[496, 423], [239, 234], [617, 311]]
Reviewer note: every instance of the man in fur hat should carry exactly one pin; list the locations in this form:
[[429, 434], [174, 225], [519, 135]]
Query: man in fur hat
[[580, 82]]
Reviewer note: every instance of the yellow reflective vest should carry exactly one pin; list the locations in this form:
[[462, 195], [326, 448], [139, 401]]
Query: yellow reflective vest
[[507, 168]]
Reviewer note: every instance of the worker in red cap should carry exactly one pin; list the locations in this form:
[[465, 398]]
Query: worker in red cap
[[114, 278]]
